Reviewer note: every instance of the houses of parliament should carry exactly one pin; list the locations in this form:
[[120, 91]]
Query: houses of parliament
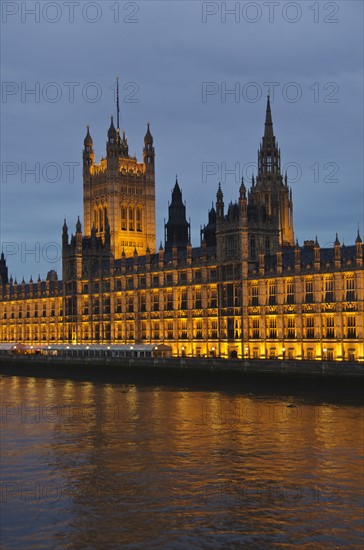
[[248, 291]]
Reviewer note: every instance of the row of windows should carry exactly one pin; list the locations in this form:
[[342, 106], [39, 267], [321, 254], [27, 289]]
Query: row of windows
[[309, 296], [131, 218], [157, 330], [327, 330]]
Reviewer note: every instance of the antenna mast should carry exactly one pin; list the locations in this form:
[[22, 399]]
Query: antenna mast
[[117, 104]]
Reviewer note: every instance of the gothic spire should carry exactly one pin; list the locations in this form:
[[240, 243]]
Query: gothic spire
[[88, 142], [112, 131], [268, 127], [148, 138]]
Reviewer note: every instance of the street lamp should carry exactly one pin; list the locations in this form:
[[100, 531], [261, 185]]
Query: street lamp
[[246, 352], [283, 353]]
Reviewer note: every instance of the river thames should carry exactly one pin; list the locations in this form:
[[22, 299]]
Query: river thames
[[103, 466]]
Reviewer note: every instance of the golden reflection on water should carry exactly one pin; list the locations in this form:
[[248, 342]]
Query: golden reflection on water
[[139, 464]]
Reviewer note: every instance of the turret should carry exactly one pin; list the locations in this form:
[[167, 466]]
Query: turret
[[148, 151], [64, 234], [316, 255], [242, 199], [177, 229], [337, 252], [78, 236], [161, 255], [3, 270], [359, 250], [112, 140], [219, 203], [88, 152], [208, 233]]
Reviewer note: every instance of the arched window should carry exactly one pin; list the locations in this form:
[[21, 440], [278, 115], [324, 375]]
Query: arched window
[[95, 221], [269, 163], [131, 219], [123, 216], [138, 219], [105, 217], [101, 220]]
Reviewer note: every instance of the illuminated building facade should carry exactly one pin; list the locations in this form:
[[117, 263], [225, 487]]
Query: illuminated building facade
[[249, 290]]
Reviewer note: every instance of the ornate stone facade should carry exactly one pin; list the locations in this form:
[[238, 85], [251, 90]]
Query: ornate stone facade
[[247, 291]]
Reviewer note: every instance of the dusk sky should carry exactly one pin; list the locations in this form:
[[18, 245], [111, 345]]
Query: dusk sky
[[176, 62]]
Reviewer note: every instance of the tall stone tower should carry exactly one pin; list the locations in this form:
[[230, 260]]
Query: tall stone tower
[[177, 228], [269, 190], [120, 192], [261, 221]]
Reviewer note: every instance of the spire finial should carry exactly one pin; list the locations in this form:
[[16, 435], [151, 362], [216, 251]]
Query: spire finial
[[358, 238], [268, 131]]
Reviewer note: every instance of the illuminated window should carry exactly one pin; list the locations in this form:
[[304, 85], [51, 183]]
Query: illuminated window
[[144, 330], [183, 330], [131, 219], [310, 327], [213, 298], [351, 326], [184, 299], [156, 330], [255, 327], [350, 288], [290, 292], [123, 217], [138, 219], [330, 326], [329, 289], [198, 299], [272, 327], [230, 328], [169, 304], [198, 333], [169, 330], [254, 295], [213, 329], [291, 327], [309, 291], [272, 298]]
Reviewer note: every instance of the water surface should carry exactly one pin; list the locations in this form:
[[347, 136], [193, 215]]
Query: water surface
[[94, 465]]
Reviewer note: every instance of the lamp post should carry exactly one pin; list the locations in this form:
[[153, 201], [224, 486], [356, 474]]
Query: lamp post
[[246, 352], [283, 353]]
